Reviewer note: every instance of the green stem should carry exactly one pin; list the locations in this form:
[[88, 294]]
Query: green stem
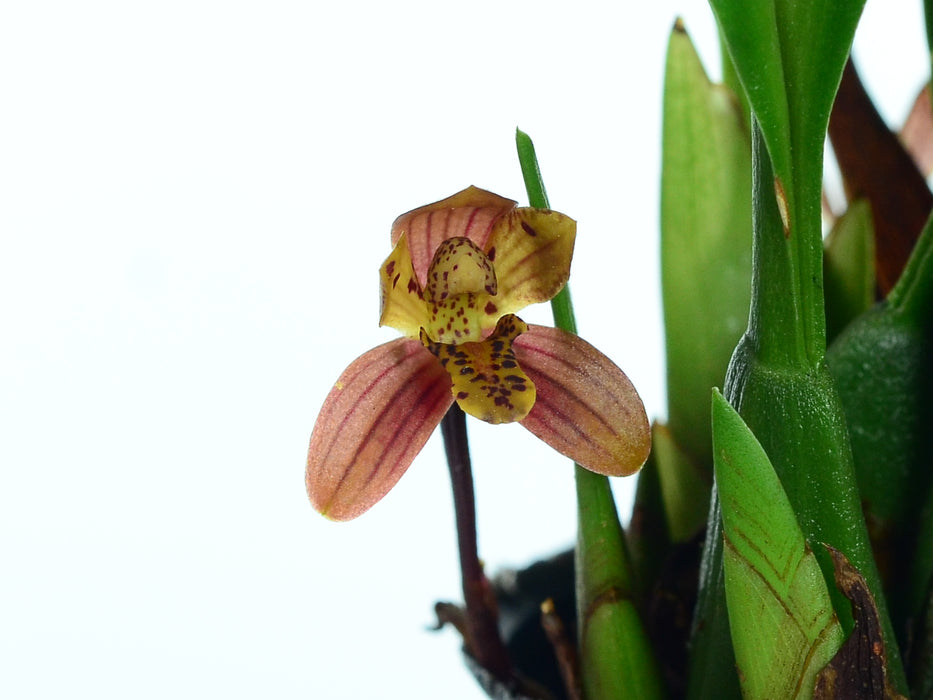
[[561, 305], [789, 329], [616, 657]]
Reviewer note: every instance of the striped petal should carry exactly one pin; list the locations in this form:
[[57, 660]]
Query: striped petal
[[531, 250], [402, 301], [586, 408], [377, 417], [470, 213]]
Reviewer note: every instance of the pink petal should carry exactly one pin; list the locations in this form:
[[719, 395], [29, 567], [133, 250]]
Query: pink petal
[[377, 417], [586, 408], [471, 213]]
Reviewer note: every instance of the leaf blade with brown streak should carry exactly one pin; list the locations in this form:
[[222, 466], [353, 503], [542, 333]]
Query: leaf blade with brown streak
[[780, 614]]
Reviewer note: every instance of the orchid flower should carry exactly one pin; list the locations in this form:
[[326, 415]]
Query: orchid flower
[[459, 270]]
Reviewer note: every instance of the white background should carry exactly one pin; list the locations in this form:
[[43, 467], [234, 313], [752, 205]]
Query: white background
[[195, 198]]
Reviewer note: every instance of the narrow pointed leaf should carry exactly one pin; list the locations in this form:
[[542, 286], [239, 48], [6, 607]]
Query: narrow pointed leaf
[[706, 241], [586, 408], [375, 420], [750, 31], [780, 613]]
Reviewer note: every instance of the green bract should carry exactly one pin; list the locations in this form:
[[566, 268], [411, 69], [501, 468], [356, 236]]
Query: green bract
[[780, 613]]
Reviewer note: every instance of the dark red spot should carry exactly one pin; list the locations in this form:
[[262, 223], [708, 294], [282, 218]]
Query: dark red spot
[[526, 227], [490, 308], [390, 267], [412, 286], [462, 395], [491, 254]]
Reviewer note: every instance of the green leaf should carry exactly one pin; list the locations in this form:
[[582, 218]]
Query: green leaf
[[616, 659], [883, 367], [849, 267], [780, 613], [750, 32], [684, 489], [793, 409], [705, 239]]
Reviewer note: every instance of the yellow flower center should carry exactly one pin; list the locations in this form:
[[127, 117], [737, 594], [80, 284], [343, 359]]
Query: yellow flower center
[[459, 292], [488, 382]]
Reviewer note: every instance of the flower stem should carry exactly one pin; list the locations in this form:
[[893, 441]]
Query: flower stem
[[616, 659], [483, 639]]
